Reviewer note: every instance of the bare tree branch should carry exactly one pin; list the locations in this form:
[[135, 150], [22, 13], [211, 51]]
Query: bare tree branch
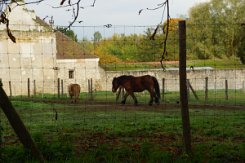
[[4, 4], [62, 2], [75, 14], [166, 38], [76, 6], [4, 19], [28, 3], [163, 5]]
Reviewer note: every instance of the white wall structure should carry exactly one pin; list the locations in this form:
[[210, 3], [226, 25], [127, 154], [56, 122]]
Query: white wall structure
[[31, 58], [216, 78], [83, 69], [35, 57]]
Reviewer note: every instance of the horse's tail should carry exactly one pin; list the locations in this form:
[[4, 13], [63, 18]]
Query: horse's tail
[[156, 86]]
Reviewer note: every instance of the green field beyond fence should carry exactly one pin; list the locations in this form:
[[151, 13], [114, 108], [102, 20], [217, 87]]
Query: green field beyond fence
[[104, 131]]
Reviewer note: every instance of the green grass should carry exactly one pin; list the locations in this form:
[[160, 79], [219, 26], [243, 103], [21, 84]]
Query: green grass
[[114, 133], [227, 63], [215, 97]]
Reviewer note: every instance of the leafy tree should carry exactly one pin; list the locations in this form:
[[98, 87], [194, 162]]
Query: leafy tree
[[68, 32], [104, 54], [149, 49], [213, 27], [97, 36], [86, 45], [241, 47], [139, 47]]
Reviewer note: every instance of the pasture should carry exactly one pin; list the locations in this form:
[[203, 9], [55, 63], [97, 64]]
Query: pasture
[[97, 129]]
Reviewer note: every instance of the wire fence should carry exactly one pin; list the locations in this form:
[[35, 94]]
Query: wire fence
[[37, 70]]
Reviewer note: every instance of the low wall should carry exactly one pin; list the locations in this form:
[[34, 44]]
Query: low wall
[[200, 79], [216, 79]]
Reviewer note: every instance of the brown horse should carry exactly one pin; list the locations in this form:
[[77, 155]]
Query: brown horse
[[74, 92], [137, 84]]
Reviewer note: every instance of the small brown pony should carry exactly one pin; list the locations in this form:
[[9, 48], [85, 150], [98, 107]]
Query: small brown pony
[[137, 84], [74, 92]]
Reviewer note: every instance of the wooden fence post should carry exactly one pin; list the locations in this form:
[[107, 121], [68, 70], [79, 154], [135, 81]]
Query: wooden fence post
[[243, 86], [28, 87], [192, 90], [90, 88], [188, 88], [18, 125], [62, 88], [183, 87], [34, 87], [163, 88], [226, 89], [206, 88], [10, 89], [58, 87]]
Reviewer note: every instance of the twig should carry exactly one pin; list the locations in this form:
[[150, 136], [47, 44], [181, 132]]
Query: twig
[[161, 5]]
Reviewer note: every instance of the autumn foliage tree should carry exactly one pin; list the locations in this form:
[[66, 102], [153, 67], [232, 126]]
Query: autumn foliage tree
[[215, 28]]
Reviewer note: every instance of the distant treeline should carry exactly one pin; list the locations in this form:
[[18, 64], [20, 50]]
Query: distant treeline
[[215, 29]]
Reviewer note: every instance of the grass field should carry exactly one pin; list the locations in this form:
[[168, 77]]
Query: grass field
[[231, 63], [215, 98], [102, 131]]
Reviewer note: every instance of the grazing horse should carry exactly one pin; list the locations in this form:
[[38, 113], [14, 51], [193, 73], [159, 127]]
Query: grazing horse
[[137, 84], [74, 92]]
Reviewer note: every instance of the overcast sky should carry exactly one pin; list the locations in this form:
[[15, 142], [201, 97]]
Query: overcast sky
[[115, 12]]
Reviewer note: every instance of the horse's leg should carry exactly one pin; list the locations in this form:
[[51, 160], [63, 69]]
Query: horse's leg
[[151, 95], [135, 99], [156, 99], [76, 98], [71, 98], [124, 98]]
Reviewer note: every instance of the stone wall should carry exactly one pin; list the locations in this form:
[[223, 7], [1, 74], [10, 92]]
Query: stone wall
[[216, 78], [84, 70], [33, 57], [102, 79]]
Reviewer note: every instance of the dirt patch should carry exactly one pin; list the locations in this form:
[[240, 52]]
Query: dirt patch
[[92, 141]]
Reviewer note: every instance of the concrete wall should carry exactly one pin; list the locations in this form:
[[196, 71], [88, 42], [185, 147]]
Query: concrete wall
[[33, 57], [84, 69], [216, 78]]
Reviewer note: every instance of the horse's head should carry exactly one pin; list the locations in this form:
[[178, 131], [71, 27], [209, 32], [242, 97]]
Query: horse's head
[[115, 84]]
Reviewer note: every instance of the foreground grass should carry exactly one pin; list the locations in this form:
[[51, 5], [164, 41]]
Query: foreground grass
[[114, 133]]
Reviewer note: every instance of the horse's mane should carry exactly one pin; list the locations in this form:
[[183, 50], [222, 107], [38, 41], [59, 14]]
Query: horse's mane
[[123, 78]]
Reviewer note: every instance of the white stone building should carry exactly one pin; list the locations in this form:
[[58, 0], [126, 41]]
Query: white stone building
[[41, 56]]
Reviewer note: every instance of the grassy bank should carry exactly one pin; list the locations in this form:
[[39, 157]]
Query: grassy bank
[[231, 63]]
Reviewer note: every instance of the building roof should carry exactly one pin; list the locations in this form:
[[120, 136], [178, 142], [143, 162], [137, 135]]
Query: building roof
[[69, 49], [66, 47]]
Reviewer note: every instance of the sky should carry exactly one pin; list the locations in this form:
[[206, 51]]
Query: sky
[[115, 12]]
